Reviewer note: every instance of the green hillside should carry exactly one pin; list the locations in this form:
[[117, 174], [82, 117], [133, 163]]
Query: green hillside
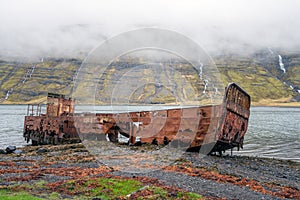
[[260, 75], [255, 79], [27, 84]]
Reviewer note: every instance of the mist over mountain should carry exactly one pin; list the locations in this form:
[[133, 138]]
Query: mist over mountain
[[35, 29], [254, 43]]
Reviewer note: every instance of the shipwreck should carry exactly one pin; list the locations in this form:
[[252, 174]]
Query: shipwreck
[[223, 125]]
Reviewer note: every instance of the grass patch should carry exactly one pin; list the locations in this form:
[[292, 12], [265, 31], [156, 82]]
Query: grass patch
[[12, 195], [162, 193], [54, 195], [40, 184], [104, 188]]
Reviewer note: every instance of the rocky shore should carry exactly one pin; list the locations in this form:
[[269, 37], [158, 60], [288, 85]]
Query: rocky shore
[[71, 172]]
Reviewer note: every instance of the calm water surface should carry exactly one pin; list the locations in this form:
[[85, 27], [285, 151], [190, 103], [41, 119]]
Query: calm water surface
[[272, 132]]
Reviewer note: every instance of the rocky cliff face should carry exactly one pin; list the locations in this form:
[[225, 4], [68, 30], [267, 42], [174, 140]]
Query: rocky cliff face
[[268, 76]]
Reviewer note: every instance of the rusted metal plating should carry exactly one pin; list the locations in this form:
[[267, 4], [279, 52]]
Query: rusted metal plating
[[225, 124]]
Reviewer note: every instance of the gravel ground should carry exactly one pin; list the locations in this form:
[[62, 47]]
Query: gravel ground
[[220, 176], [281, 172], [202, 186]]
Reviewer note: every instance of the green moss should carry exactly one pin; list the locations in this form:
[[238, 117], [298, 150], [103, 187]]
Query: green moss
[[112, 188], [189, 195], [54, 196], [160, 191], [12, 195], [105, 188], [40, 184]]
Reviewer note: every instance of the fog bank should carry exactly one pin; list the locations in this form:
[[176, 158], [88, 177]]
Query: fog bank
[[71, 28]]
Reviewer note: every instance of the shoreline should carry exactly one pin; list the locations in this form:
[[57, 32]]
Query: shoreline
[[227, 153], [253, 104]]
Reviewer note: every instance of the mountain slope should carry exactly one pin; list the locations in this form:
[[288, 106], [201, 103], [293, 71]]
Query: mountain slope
[[262, 77], [268, 76], [25, 82]]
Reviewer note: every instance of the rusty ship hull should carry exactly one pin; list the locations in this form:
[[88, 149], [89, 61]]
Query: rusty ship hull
[[223, 125]]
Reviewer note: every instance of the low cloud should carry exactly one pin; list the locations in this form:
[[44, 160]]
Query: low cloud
[[71, 28]]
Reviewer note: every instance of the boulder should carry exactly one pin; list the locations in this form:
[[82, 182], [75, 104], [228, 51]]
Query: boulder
[[10, 149], [41, 150], [2, 151]]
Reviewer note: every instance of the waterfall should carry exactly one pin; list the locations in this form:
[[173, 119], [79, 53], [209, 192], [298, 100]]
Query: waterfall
[[28, 73], [270, 50], [26, 76], [201, 70], [205, 81], [293, 87], [74, 78], [205, 86], [201, 77], [24, 79], [31, 71], [8, 93], [216, 90], [281, 64]]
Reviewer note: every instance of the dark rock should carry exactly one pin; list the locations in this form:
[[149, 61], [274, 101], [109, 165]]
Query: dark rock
[[10, 149], [154, 141], [41, 150], [139, 143], [228, 162], [166, 141], [173, 194], [2, 151]]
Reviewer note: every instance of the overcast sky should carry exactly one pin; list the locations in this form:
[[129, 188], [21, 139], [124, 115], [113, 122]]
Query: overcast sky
[[73, 27]]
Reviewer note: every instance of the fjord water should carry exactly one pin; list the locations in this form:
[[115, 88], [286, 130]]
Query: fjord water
[[273, 132], [11, 125]]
